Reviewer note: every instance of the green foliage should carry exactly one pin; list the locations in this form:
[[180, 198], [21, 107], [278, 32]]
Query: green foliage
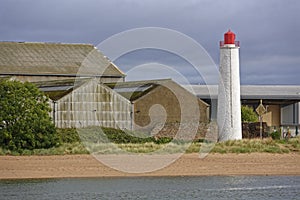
[[24, 117], [275, 135], [68, 135], [248, 114], [257, 145], [241, 146], [104, 135]]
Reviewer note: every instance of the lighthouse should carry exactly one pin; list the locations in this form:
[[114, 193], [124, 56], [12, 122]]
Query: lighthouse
[[229, 100]]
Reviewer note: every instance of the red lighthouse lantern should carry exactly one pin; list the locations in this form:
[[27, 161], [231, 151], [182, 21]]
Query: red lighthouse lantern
[[229, 38]]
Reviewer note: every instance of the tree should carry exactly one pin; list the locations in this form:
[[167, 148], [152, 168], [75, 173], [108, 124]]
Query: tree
[[248, 114], [25, 122]]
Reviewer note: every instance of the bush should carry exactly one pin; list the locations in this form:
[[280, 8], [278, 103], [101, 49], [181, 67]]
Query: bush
[[24, 117], [248, 114], [104, 135], [68, 135], [275, 135]]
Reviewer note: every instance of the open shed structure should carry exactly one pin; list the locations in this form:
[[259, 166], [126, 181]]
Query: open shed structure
[[282, 103]]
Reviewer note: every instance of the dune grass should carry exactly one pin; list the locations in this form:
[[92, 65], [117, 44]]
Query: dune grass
[[71, 144], [64, 149], [239, 146], [267, 145]]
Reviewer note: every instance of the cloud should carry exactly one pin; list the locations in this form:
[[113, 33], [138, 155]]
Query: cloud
[[269, 31]]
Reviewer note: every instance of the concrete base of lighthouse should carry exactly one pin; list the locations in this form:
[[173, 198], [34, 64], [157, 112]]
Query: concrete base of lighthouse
[[229, 104]]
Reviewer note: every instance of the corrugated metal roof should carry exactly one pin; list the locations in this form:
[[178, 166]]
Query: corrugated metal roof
[[133, 90], [22, 58], [59, 88], [290, 92], [270, 91]]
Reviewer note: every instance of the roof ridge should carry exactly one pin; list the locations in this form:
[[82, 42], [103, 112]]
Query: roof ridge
[[147, 81], [54, 43]]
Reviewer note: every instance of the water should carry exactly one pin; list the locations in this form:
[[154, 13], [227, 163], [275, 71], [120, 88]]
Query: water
[[210, 187]]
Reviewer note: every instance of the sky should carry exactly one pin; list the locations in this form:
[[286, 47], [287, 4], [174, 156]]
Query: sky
[[268, 31]]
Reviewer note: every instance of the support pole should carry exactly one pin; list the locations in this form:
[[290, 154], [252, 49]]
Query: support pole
[[260, 127], [260, 111]]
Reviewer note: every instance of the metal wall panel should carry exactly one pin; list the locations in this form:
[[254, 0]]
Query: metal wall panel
[[92, 104]]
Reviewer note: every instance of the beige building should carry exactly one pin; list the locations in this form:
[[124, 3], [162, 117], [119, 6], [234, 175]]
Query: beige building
[[162, 102]]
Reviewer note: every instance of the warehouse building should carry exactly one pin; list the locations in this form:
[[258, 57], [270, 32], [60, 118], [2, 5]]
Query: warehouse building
[[124, 105], [164, 105], [86, 89]]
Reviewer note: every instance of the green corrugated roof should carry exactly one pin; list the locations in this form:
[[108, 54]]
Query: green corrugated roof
[[22, 58]]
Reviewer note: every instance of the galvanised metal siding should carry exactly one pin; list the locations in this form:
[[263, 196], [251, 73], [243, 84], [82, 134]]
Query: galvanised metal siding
[[92, 104]]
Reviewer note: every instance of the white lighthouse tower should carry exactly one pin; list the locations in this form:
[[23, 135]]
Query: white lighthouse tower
[[229, 100]]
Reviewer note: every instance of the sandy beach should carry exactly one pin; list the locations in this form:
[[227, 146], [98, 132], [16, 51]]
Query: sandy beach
[[67, 166]]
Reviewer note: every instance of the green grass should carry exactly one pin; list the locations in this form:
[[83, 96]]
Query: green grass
[[132, 142], [67, 148], [150, 147], [267, 145]]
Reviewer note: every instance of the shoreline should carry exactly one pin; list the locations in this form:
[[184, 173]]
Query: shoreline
[[144, 176], [86, 166]]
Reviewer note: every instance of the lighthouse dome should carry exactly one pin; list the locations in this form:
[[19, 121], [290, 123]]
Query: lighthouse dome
[[229, 37]]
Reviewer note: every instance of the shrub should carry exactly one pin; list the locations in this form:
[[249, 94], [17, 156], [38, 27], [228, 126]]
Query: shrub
[[275, 135], [68, 135], [248, 114], [24, 117], [105, 135]]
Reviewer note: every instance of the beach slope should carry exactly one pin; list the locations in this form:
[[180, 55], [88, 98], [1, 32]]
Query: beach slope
[[69, 166]]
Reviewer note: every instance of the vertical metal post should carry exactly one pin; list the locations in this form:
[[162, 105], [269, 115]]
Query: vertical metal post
[[54, 113], [260, 128], [132, 116], [260, 111]]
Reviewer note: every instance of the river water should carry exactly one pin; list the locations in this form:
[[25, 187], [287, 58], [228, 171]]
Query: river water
[[207, 187]]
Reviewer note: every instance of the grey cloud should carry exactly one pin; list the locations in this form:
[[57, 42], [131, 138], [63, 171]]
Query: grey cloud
[[269, 31]]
